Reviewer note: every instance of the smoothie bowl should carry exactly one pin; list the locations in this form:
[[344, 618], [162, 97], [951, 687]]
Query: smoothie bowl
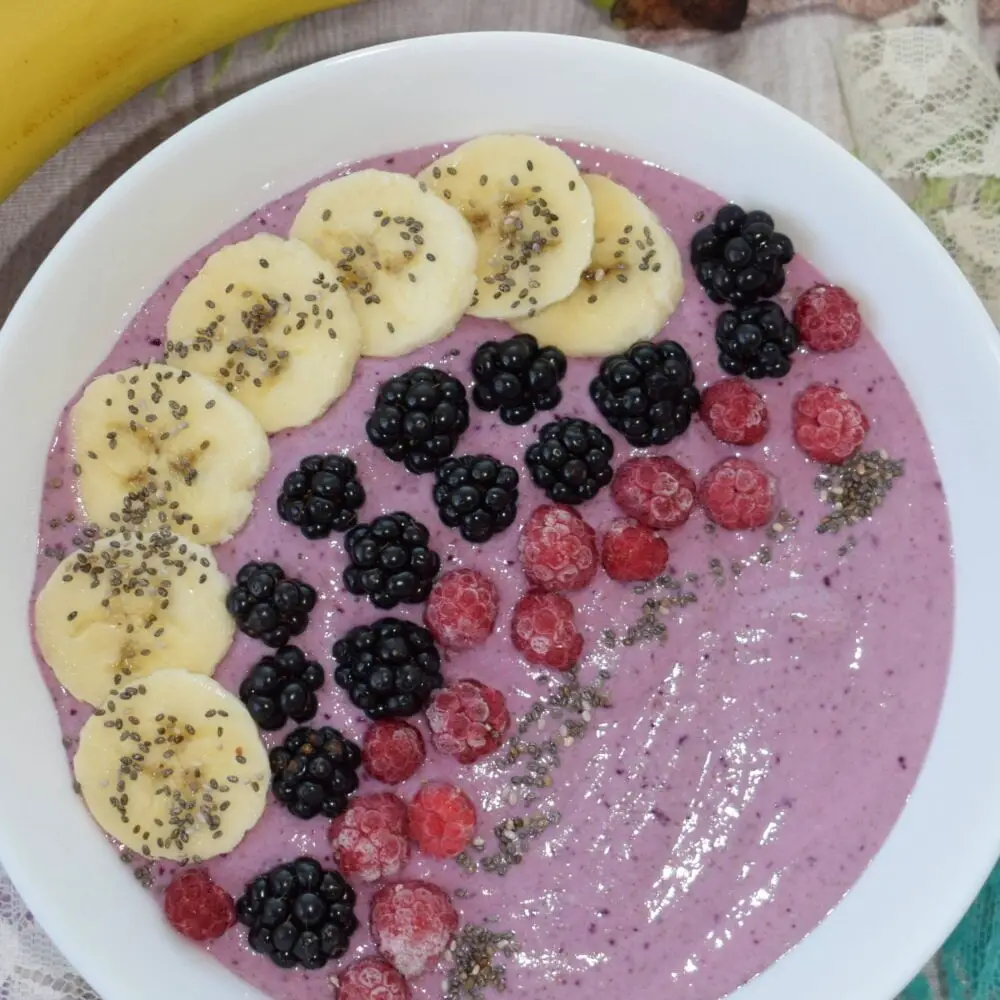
[[535, 553]]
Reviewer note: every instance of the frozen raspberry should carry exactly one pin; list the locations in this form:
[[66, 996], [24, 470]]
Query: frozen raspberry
[[656, 490], [558, 549], [468, 720], [734, 411], [370, 839], [828, 319], [412, 923], [371, 979], [630, 551], [829, 426], [198, 908], [737, 494], [393, 751], [442, 820], [462, 609], [543, 631]]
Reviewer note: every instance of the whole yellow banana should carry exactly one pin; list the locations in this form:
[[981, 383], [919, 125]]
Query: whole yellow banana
[[68, 62]]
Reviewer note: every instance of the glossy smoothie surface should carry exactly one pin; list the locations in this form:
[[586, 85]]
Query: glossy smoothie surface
[[750, 764]]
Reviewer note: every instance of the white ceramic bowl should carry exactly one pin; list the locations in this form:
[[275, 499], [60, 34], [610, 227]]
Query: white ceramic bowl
[[217, 170]]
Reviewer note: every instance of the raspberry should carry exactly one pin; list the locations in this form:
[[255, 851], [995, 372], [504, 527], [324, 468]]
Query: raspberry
[[737, 494], [734, 412], [828, 318], [462, 609], [630, 551], [543, 631], [468, 720], [558, 549], [442, 820], [371, 979], [829, 426], [412, 923], [656, 491], [370, 839], [393, 751], [198, 908]]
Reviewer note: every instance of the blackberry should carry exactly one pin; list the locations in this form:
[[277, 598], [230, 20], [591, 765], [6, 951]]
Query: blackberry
[[648, 393], [298, 914], [282, 686], [571, 460], [390, 561], [477, 495], [322, 495], [516, 377], [388, 668], [419, 417], [267, 606], [757, 341], [740, 258], [314, 771]]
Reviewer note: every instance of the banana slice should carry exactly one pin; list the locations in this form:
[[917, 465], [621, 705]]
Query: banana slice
[[173, 767], [157, 445], [407, 259], [128, 605], [262, 319], [532, 215], [628, 291]]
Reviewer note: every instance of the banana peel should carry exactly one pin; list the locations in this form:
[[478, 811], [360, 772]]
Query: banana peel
[[69, 62], [666, 15]]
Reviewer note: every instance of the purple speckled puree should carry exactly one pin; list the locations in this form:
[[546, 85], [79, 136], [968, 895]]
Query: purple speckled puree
[[750, 766]]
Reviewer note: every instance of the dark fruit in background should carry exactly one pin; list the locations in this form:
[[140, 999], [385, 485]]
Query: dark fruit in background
[[648, 393], [757, 341], [314, 771], [517, 377], [269, 606], [740, 258], [419, 417], [322, 495], [571, 460], [476, 494], [282, 686]]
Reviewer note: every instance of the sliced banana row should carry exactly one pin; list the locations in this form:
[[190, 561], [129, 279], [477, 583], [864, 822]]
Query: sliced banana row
[[131, 604], [173, 767]]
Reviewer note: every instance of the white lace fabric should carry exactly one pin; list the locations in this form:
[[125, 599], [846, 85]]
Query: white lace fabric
[[923, 100]]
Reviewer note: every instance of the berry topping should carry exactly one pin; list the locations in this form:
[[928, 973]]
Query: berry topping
[[442, 820], [462, 609], [647, 393], [737, 495], [282, 686], [390, 561], [543, 631], [631, 552], [269, 607], [198, 908], [388, 668], [468, 720], [558, 549], [476, 494], [517, 377], [571, 460], [393, 750], [656, 491], [412, 924], [298, 914], [370, 840], [757, 341], [371, 979], [314, 771], [735, 412], [740, 258], [829, 426], [322, 495], [419, 417], [828, 319]]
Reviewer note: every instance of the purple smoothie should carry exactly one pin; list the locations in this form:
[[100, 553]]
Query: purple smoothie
[[750, 765]]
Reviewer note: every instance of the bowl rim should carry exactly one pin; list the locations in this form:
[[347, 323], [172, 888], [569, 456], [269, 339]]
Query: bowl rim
[[892, 920]]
